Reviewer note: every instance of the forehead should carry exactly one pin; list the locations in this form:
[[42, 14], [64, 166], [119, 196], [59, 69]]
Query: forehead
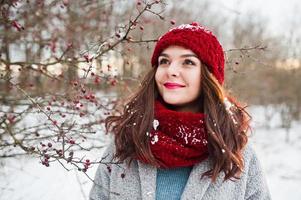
[[177, 51]]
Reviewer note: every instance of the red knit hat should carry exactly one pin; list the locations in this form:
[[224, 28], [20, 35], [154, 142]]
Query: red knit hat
[[199, 40]]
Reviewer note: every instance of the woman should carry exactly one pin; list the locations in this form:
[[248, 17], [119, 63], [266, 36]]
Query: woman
[[181, 136]]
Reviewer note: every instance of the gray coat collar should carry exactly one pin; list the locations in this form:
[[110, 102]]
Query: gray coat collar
[[148, 174]]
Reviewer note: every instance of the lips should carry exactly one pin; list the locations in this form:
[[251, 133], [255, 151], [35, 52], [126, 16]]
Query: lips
[[170, 85]]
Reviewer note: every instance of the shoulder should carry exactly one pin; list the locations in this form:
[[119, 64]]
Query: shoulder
[[250, 157], [249, 151], [109, 151], [101, 182], [106, 162], [256, 185]]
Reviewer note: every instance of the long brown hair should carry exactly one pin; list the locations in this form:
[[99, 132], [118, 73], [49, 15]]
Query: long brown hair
[[227, 126]]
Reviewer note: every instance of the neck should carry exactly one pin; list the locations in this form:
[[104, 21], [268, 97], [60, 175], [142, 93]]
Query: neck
[[194, 107]]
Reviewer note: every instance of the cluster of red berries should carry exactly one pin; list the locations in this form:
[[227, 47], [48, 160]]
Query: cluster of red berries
[[86, 165], [45, 161]]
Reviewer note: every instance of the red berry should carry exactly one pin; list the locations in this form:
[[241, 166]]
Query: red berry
[[11, 118], [71, 141], [17, 25], [69, 45], [109, 169], [53, 46], [59, 152], [86, 56], [134, 23], [96, 80], [113, 82]]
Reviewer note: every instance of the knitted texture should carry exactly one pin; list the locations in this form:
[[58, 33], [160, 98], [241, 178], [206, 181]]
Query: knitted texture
[[171, 183], [179, 138], [199, 40]]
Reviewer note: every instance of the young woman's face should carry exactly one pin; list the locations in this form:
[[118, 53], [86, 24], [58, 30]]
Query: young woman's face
[[178, 76]]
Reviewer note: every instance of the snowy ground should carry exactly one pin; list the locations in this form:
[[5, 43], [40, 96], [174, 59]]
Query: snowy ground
[[281, 160], [26, 178]]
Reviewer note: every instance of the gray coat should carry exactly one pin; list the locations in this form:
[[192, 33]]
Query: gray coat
[[139, 181]]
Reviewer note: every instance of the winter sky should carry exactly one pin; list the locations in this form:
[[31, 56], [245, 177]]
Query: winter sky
[[281, 14]]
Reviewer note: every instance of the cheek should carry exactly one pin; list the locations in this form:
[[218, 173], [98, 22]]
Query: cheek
[[158, 76], [195, 80]]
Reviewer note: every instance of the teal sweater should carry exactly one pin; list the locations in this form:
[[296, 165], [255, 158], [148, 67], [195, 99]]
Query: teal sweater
[[171, 183]]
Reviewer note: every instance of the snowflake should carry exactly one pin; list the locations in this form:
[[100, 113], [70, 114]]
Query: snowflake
[[186, 139], [155, 139], [228, 106], [155, 124], [191, 27], [195, 141]]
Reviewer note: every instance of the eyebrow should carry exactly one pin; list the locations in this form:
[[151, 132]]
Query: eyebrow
[[183, 56]]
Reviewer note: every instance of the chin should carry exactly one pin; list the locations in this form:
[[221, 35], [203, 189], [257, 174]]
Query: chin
[[173, 101]]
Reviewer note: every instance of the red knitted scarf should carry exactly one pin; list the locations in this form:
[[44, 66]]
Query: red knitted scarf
[[178, 139]]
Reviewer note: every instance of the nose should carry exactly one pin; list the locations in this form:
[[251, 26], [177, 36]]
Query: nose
[[173, 69]]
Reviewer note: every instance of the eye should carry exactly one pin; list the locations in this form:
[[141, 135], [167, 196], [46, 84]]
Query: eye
[[163, 61], [189, 62]]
